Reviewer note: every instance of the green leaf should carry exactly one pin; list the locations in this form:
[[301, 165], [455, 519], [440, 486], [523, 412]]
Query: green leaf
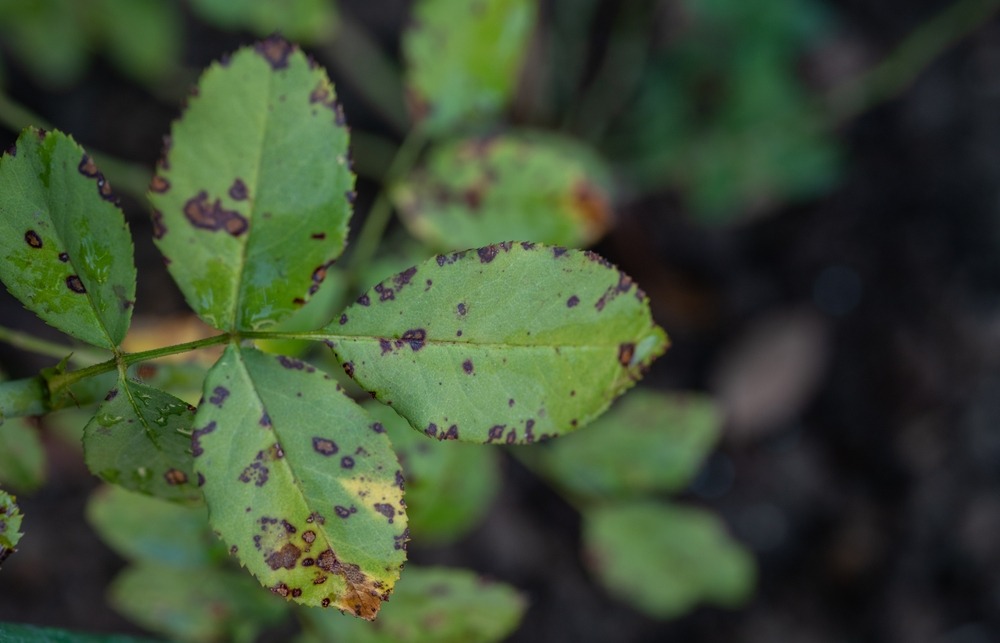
[[202, 604], [46, 38], [142, 38], [647, 442], [22, 455], [512, 343], [18, 633], [140, 438], [299, 20], [142, 528], [300, 482], [483, 190], [433, 605], [449, 486], [463, 59], [664, 559], [65, 250], [252, 198], [10, 525]]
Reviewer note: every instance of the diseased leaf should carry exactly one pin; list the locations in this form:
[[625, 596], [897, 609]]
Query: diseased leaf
[[10, 525], [252, 197], [432, 605], [664, 559], [511, 343], [65, 250], [449, 486], [22, 455], [300, 482], [201, 604], [647, 442], [140, 438], [299, 20], [463, 59], [22, 633], [142, 528], [485, 190]]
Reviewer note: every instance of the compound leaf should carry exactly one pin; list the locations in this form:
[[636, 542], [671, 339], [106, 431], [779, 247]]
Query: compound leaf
[[252, 198], [663, 559], [512, 342], [433, 605], [449, 486], [65, 250], [142, 528], [463, 59], [140, 438], [484, 190], [201, 605], [647, 442], [10, 525], [300, 482]]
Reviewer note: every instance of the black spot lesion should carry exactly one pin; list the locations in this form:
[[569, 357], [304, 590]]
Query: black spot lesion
[[212, 216], [196, 449], [625, 353], [74, 283], [219, 395], [324, 446], [32, 239], [276, 51], [238, 190], [386, 510], [159, 184], [159, 228]]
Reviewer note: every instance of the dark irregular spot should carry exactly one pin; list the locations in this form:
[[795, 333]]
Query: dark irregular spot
[[342, 511], [112, 394], [431, 430], [196, 436], [467, 366], [415, 337], [495, 432], [286, 557], [386, 510], [324, 446], [347, 462], [73, 283], [212, 216], [319, 236], [175, 477], [238, 190], [558, 251], [625, 353], [451, 433], [32, 239], [276, 51], [63, 257], [88, 168], [572, 301], [159, 228], [159, 184], [378, 428], [364, 300], [219, 395], [487, 254]]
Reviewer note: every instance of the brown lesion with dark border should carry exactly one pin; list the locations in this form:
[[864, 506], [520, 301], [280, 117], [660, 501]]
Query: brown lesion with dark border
[[208, 215]]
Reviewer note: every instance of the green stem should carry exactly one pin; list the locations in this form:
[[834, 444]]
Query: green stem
[[370, 236], [918, 50], [24, 341]]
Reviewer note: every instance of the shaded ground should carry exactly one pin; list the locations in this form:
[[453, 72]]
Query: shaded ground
[[857, 337]]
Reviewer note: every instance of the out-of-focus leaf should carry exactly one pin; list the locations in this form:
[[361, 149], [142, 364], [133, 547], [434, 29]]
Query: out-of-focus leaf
[[449, 486], [22, 456], [142, 38], [140, 438], [18, 633], [10, 525], [201, 604], [142, 528], [663, 560], [300, 20], [300, 482], [432, 605], [530, 187], [510, 343], [251, 200], [46, 38], [463, 59], [647, 442], [65, 250]]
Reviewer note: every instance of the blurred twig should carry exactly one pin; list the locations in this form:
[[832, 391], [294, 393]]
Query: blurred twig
[[914, 54]]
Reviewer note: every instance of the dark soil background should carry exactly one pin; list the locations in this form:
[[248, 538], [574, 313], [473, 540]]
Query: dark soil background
[[854, 338]]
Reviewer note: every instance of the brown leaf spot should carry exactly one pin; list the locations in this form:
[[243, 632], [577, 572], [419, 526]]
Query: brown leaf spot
[[625, 353], [238, 190], [212, 216], [73, 283], [159, 228], [276, 51], [487, 254], [572, 301], [159, 184], [63, 257], [324, 446], [467, 366], [386, 510], [88, 168], [495, 432], [309, 536], [175, 477], [196, 449], [32, 239], [415, 337], [347, 462], [451, 433]]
